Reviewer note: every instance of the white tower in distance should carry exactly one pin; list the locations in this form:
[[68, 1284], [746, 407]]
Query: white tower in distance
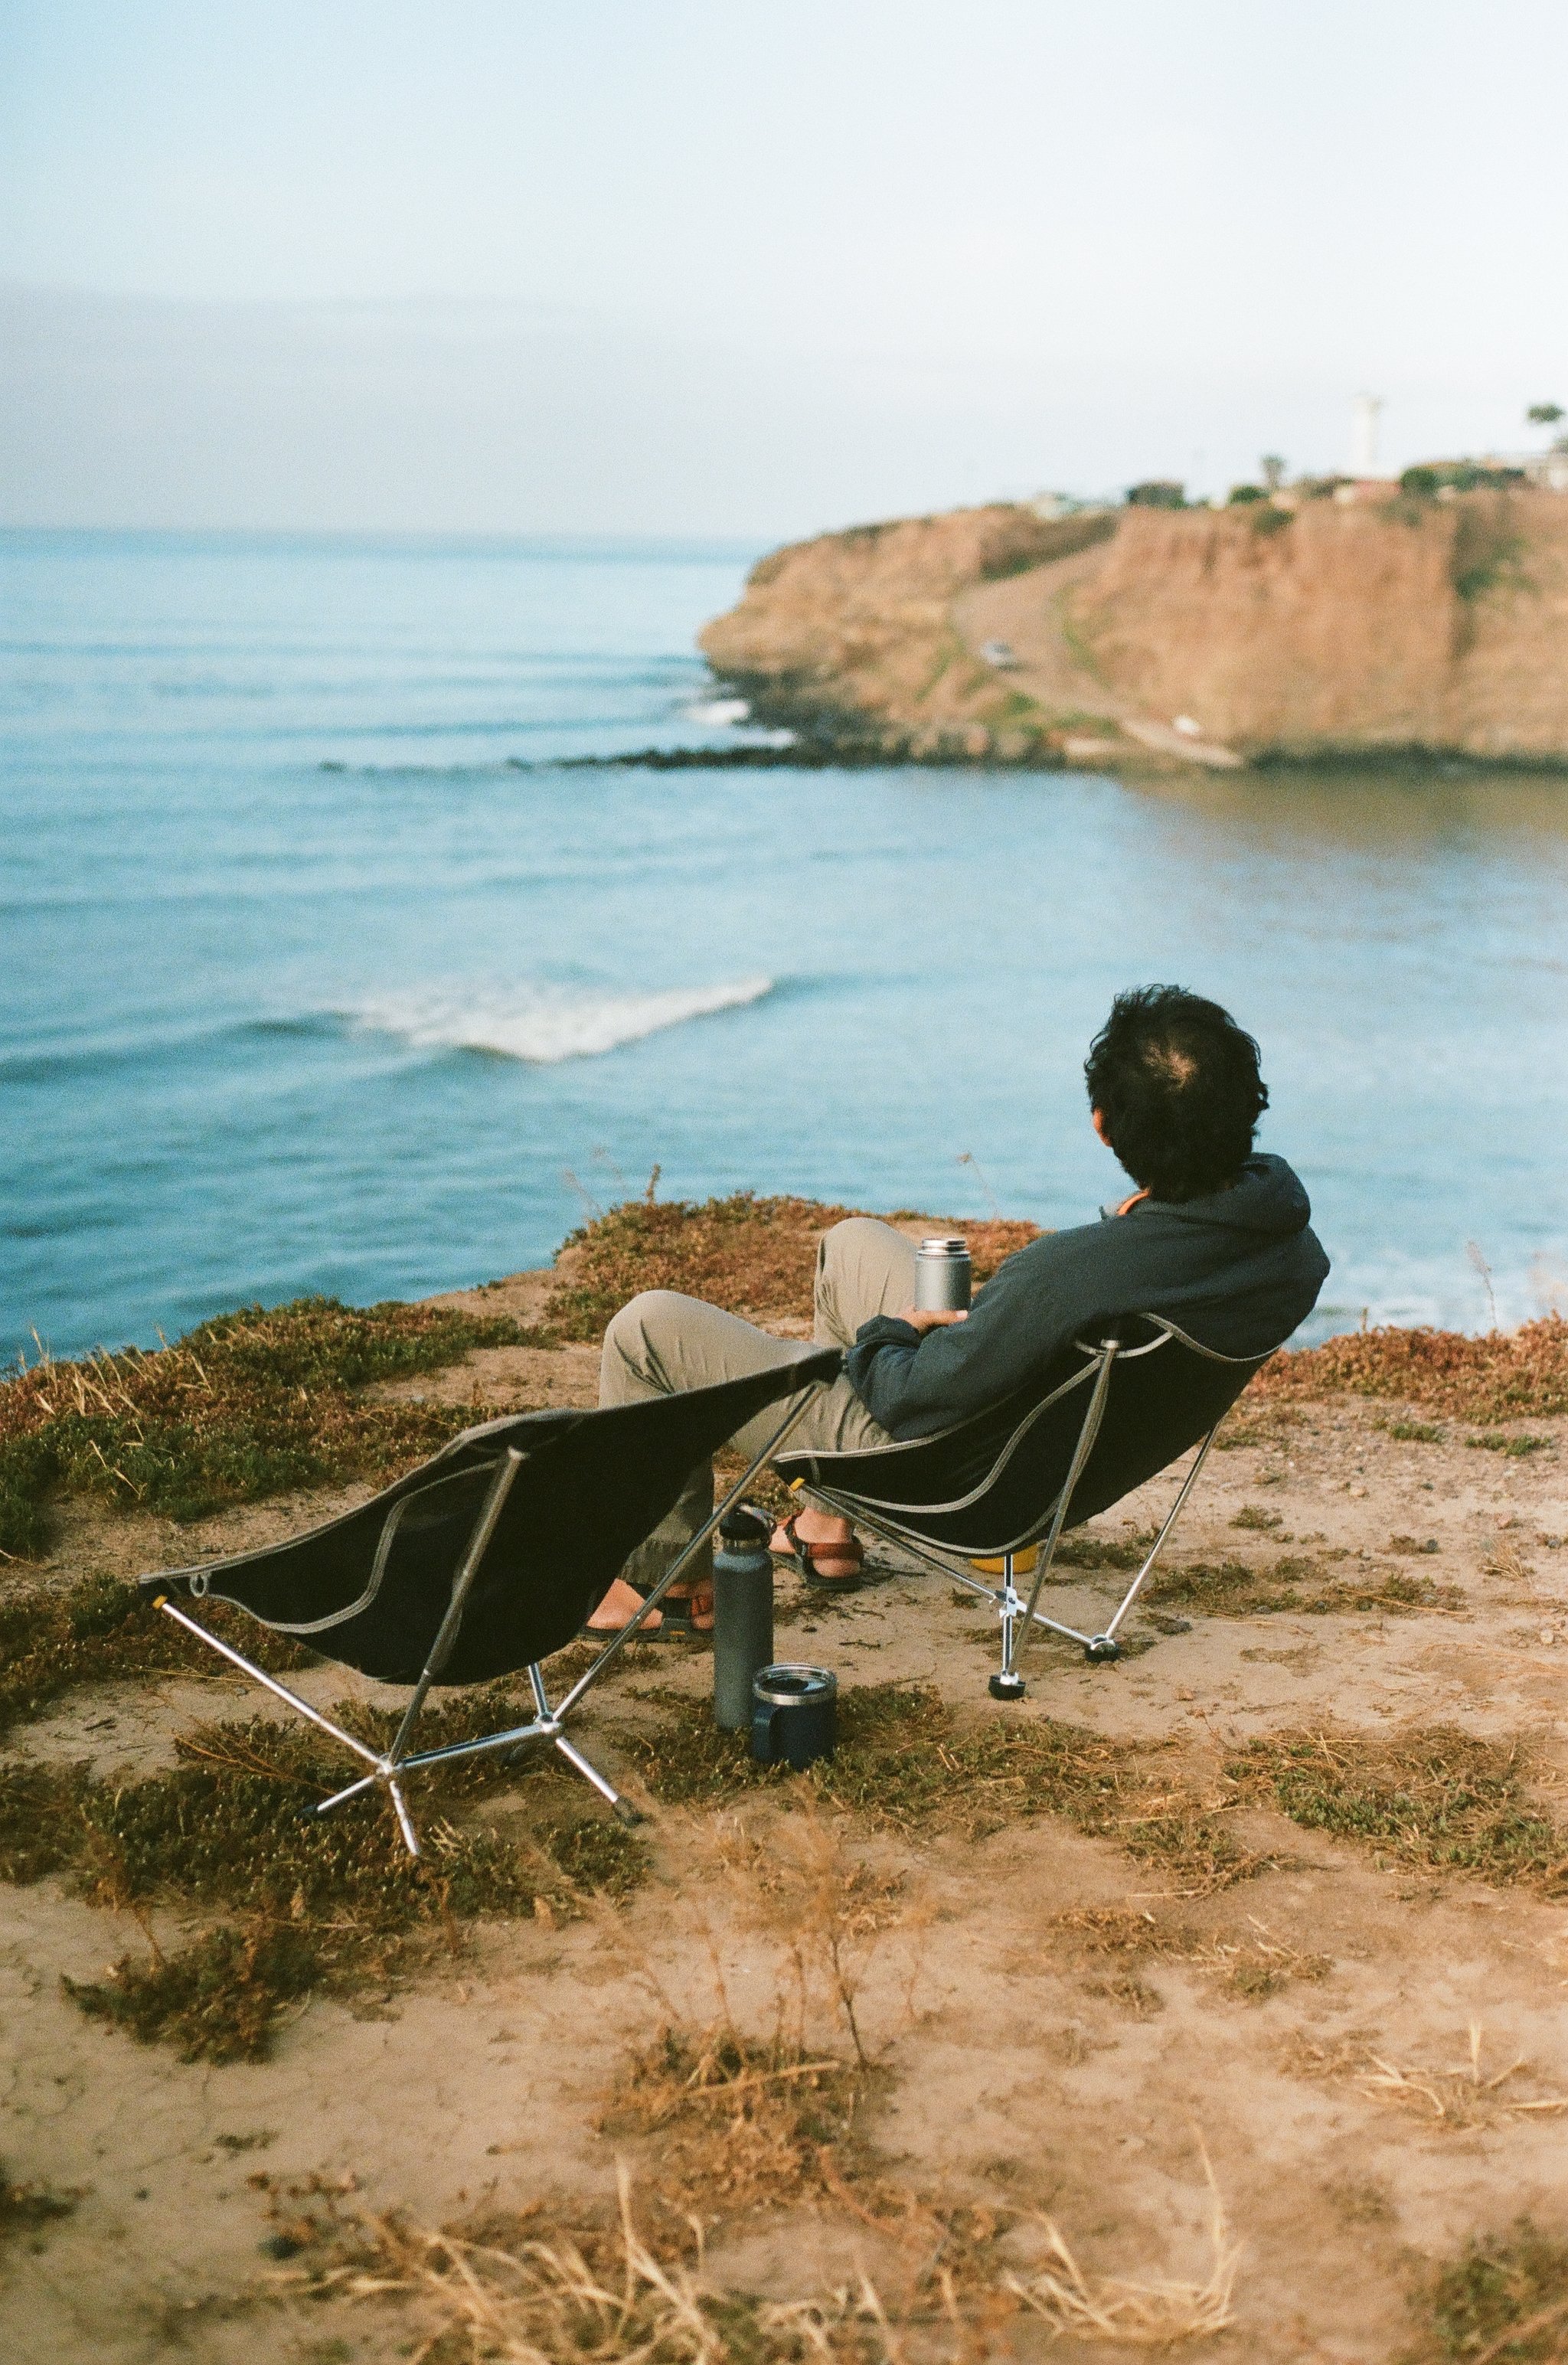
[[1364, 411]]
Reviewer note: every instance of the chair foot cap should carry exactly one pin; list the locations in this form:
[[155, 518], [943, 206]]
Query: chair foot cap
[[1007, 1687], [1102, 1651]]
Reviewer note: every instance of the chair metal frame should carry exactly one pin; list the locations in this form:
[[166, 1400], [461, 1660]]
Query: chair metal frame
[[388, 1766], [1013, 1611]]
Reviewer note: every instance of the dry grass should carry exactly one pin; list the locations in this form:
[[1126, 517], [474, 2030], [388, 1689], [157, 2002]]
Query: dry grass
[[308, 1903], [908, 1762], [799, 1884], [755, 1257], [1133, 2315], [1300, 1583], [1314, 1585], [1433, 1797], [247, 1405], [1505, 1375], [542, 2287], [740, 2126], [1250, 1965], [1444, 2096], [538, 2289], [739, 2123]]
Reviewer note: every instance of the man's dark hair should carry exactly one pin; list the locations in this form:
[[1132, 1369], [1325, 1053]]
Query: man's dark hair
[[1176, 1081]]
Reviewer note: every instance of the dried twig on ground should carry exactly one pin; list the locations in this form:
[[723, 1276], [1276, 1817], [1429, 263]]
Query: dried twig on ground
[[1462, 2094]]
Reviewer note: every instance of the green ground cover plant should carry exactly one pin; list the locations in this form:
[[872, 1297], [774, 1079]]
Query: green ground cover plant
[[246, 1406], [907, 1762], [55, 1639], [1502, 2302], [305, 1903], [1433, 1797]]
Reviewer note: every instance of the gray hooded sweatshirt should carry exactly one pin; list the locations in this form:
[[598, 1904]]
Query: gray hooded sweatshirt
[[1239, 1271]]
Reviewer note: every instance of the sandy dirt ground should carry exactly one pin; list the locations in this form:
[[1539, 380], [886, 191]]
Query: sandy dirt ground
[[1362, 2108]]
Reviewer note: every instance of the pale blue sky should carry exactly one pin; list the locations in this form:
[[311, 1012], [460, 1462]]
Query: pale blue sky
[[715, 265]]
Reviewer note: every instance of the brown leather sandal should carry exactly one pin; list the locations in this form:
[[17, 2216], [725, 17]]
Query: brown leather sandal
[[804, 1555]]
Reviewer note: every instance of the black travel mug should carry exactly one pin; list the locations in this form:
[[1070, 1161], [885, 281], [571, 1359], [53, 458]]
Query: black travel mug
[[742, 1613], [794, 1716]]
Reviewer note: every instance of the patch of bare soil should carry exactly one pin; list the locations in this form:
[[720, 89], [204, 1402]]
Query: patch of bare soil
[[1210, 2001]]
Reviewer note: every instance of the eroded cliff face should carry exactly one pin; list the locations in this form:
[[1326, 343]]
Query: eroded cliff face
[[857, 628], [1404, 624]]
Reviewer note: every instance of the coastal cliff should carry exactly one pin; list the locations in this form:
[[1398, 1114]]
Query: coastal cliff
[[1216, 637]]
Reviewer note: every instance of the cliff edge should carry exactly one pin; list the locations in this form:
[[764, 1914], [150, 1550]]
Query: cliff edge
[[1212, 636]]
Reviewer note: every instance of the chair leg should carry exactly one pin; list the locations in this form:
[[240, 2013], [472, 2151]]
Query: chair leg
[[405, 1823], [549, 1719], [1007, 1684], [628, 1813], [1135, 1587]]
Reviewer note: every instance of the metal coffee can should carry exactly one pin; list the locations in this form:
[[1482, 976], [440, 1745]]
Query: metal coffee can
[[794, 1716], [941, 1275]]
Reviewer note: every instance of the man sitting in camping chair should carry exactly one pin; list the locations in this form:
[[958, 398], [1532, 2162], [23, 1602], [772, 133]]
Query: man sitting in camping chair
[[1214, 1237]]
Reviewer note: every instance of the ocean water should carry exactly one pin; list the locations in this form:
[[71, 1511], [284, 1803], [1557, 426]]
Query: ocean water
[[320, 973]]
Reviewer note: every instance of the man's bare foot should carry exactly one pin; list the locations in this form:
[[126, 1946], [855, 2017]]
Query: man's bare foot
[[618, 1609], [623, 1601], [822, 1530]]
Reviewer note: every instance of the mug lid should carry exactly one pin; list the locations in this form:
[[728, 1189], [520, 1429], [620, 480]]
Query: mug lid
[[783, 1686]]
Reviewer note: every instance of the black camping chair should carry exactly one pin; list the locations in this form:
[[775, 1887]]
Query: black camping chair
[[488, 1557], [1098, 1423]]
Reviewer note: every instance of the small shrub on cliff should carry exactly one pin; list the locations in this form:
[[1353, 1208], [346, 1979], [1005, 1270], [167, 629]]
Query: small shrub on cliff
[[752, 1256], [1505, 1375], [248, 1405], [1158, 493]]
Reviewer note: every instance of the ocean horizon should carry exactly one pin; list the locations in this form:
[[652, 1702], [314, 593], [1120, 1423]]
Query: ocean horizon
[[325, 975]]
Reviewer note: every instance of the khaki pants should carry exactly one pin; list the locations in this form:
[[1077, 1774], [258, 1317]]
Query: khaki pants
[[663, 1343]]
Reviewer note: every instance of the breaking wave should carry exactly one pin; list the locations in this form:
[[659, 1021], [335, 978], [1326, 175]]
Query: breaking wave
[[545, 1024]]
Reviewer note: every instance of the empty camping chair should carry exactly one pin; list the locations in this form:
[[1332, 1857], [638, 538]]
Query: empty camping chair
[[1113, 1411], [487, 1559]]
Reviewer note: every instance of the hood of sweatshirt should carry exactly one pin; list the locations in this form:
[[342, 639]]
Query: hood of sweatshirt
[[1269, 1201]]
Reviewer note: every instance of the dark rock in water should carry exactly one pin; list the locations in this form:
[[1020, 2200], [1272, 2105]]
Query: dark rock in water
[[803, 755]]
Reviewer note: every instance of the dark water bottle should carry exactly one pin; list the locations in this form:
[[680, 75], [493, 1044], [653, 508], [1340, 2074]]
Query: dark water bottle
[[794, 1716], [742, 1613]]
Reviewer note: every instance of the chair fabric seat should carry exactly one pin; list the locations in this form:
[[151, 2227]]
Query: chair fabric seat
[[369, 1589], [991, 1485]]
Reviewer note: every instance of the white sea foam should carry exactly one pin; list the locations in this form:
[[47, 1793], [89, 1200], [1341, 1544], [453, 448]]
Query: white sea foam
[[546, 1023], [720, 711]]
